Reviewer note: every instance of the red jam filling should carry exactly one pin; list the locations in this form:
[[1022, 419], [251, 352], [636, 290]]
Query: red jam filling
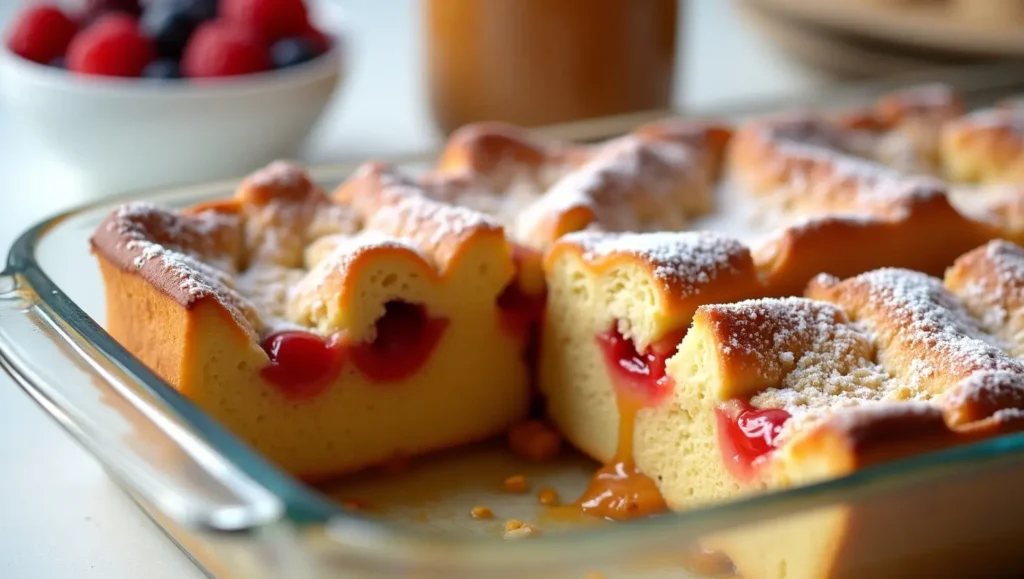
[[406, 336], [747, 435], [636, 371], [302, 364], [519, 311]]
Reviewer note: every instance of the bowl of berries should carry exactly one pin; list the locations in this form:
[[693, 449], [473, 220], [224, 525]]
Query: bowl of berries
[[131, 95]]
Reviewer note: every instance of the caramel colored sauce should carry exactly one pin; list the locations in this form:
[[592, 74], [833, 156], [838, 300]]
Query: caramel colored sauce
[[618, 490], [534, 62]]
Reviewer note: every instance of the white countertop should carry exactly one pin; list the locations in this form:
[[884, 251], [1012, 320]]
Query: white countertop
[[61, 516]]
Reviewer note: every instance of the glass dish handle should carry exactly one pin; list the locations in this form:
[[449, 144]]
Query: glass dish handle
[[145, 446]]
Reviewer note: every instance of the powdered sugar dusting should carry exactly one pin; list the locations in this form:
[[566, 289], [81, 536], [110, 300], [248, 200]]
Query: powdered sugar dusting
[[682, 261], [504, 201], [278, 174], [250, 253], [872, 185], [992, 118], [819, 360], [990, 282], [930, 331], [427, 222], [826, 170], [346, 249], [911, 341], [179, 252], [630, 184], [987, 389]]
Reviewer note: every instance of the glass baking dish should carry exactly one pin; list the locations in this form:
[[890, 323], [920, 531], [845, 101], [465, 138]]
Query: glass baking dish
[[236, 515]]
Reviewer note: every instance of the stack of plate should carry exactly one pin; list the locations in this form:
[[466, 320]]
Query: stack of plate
[[860, 38]]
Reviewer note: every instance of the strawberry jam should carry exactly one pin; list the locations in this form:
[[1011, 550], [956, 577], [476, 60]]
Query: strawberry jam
[[519, 311], [639, 372], [302, 364], [747, 435], [405, 338]]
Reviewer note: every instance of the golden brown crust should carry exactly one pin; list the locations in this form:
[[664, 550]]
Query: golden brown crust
[[196, 254], [933, 103], [146, 306], [692, 268], [932, 343], [926, 373], [656, 178], [848, 245], [986, 147], [280, 182], [755, 159], [630, 184], [926, 335], [171, 250], [395, 206], [709, 138], [990, 282], [862, 437], [486, 148], [756, 345], [802, 162]]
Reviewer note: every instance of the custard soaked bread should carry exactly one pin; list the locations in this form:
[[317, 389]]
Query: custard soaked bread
[[329, 333], [770, 393]]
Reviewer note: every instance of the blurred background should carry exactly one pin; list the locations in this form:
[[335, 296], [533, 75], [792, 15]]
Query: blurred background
[[411, 70]]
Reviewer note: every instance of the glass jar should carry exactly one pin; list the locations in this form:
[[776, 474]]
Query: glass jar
[[537, 62]]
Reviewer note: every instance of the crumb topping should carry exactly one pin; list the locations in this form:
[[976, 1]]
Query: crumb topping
[[887, 335], [516, 529], [516, 484], [481, 512], [534, 440], [547, 497]]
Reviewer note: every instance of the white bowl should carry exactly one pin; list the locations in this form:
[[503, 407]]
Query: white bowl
[[124, 134]]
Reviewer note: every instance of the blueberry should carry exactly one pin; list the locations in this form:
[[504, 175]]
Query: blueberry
[[200, 10], [169, 25], [58, 62], [162, 68], [291, 51]]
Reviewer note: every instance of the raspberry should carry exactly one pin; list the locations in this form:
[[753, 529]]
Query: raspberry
[[96, 8], [111, 46], [271, 19], [41, 34], [221, 48]]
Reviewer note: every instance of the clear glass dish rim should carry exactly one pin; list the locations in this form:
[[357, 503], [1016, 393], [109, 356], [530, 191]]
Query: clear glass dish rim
[[305, 509]]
